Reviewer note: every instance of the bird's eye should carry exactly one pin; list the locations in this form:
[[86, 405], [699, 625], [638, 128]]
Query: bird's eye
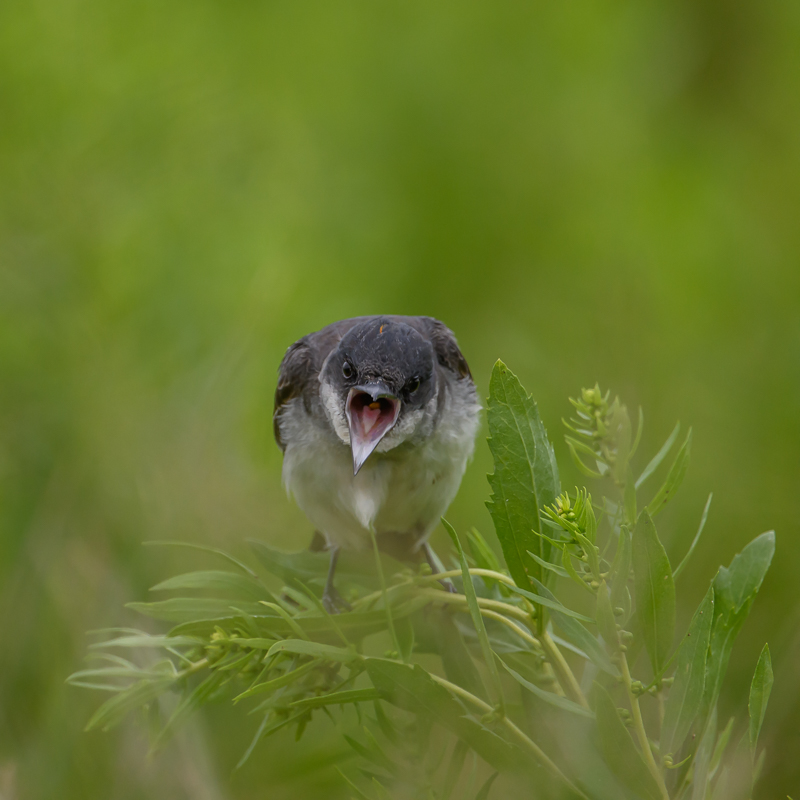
[[413, 385], [347, 370]]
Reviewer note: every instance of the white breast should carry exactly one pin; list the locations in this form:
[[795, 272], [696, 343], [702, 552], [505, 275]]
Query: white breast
[[405, 490]]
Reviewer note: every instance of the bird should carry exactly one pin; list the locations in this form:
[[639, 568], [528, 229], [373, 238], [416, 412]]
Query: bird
[[377, 418]]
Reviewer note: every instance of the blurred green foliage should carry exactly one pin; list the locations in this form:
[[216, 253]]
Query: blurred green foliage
[[592, 191]]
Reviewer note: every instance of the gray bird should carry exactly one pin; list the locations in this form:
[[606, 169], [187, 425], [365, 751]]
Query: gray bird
[[376, 417]]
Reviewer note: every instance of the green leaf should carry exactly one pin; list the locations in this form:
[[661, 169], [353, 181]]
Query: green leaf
[[696, 539], [219, 581], [621, 568], [569, 567], [412, 689], [659, 456], [702, 760], [194, 700], [205, 549], [686, 695], [552, 699], [619, 751], [592, 556], [253, 643], [354, 624], [373, 753], [674, 478], [629, 499], [483, 554], [190, 609], [525, 475], [325, 652], [460, 749], [654, 590], [312, 568], [760, 690], [560, 571], [145, 640], [550, 602], [359, 794], [459, 668], [338, 698], [577, 634], [477, 617], [721, 745], [606, 623], [737, 584], [483, 792], [735, 589], [139, 694], [276, 683]]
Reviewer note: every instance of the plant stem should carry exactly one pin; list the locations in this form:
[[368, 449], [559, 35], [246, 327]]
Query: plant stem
[[638, 726], [518, 734], [518, 629], [564, 674], [456, 573], [483, 602]]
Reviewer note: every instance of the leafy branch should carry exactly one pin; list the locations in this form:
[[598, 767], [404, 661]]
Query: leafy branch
[[533, 665]]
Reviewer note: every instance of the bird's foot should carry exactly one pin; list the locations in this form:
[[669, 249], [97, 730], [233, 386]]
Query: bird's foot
[[449, 586], [333, 602]]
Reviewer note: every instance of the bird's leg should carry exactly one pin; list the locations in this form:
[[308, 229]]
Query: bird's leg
[[331, 599], [437, 567]]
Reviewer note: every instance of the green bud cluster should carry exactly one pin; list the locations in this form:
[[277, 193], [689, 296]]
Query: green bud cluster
[[600, 431]]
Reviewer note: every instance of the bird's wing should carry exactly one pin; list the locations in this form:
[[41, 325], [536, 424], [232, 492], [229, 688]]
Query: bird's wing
[[294, 376], [299, 371], [446, 348]]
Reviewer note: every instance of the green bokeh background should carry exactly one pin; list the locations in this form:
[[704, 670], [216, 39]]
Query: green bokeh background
[[591, 191]]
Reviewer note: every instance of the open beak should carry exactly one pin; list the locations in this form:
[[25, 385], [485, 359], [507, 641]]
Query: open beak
[[371, 411]]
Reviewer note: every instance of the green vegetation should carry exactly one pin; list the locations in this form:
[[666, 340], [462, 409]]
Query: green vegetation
[[552, 716], [593, 191]]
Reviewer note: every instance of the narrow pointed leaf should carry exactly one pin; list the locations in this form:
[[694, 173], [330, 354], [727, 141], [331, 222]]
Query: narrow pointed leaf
[[205, 549], [659, 456], [325, 652], [654, 591], [412, 689], [550, 602], [459, 668], [483, 792], [686, 695], [139, 694], [196, 698], [460, 749], [477, 617], [696, 539], [577, 634], [619, 751], [606, 623], [217, 580], [276, 683], [189, 609], [621, 568], [548, 697], [702, 760], [338, 698], [560, 571], [760, 690], [674, 479]]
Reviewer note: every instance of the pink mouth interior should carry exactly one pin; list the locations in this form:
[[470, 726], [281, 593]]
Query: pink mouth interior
[[371, 419]]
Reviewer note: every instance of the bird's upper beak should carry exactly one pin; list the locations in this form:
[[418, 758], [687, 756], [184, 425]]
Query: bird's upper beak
[[372, 410]]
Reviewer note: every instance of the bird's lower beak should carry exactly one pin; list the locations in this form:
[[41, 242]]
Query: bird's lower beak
[[371, 411]]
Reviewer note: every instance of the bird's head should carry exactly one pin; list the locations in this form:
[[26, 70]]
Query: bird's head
[[378, 386]]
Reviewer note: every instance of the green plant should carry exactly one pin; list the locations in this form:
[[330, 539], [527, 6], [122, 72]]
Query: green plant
[[538, 686]]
